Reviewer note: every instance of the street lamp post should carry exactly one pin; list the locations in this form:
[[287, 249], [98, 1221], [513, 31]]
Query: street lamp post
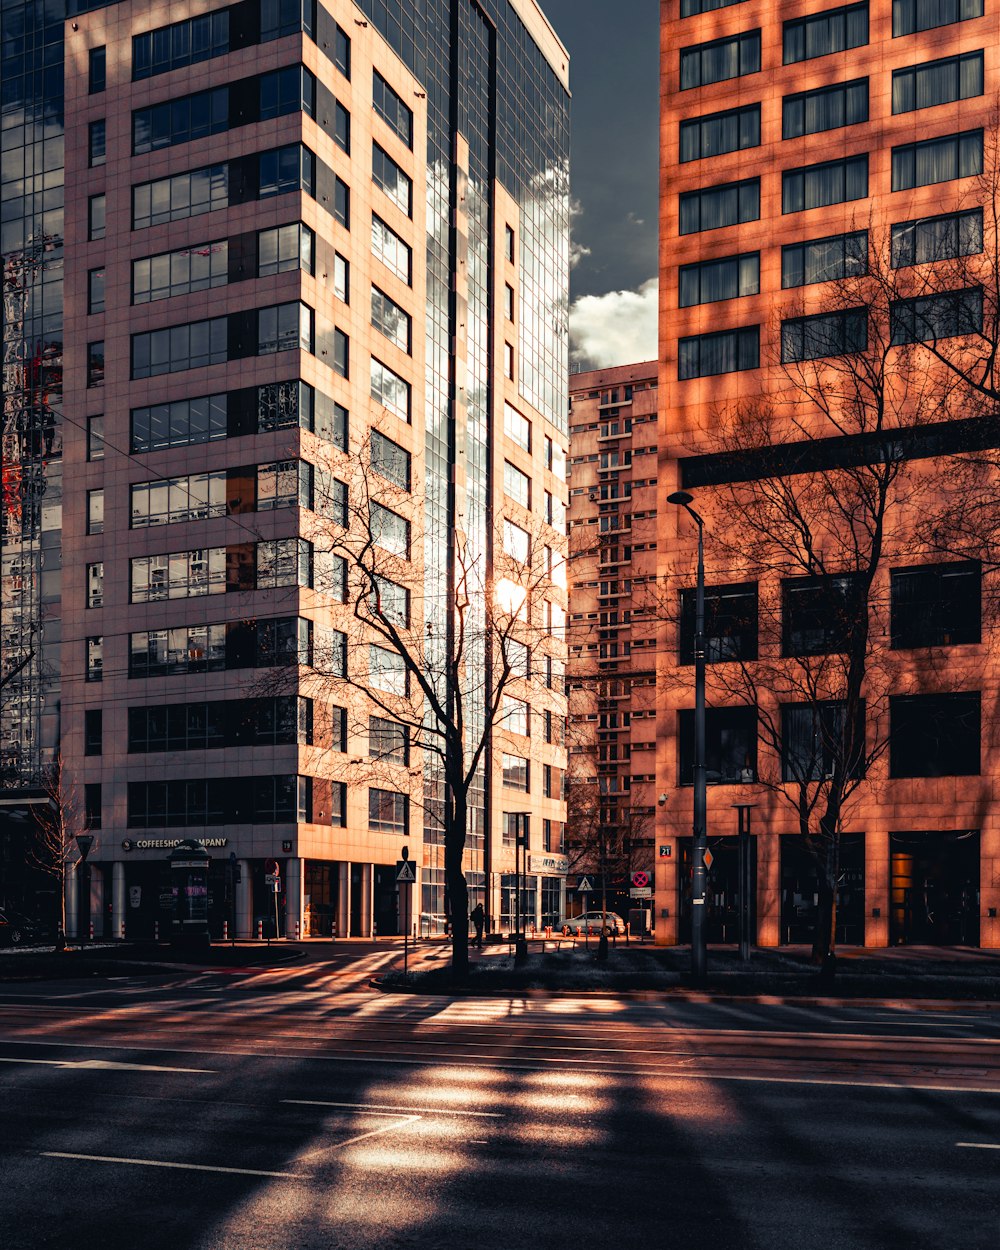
[[699, 951], [743, 811]]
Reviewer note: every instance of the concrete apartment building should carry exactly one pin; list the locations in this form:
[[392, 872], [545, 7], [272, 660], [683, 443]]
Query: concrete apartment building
[[805, 147], [315, 271], [612, 631]]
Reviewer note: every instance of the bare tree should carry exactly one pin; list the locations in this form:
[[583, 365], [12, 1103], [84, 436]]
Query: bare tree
[[448, 657], [57, 823]]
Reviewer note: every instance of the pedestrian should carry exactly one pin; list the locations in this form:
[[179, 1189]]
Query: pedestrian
[[478, 918]]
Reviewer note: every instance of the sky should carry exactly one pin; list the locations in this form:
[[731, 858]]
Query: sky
[[614, 80]]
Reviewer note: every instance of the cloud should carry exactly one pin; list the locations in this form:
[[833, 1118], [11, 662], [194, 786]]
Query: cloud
[[617, 328], [577, 252]]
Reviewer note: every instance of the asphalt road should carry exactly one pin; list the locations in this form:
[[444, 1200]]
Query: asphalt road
[[299, 1109]]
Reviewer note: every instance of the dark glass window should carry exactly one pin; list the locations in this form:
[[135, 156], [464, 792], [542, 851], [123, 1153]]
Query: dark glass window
[[390, 460], [689, 8], [388, 811], [825, 260], [730, 745], [181, 195], [819, 614], [188, 346], [813, 741], [288, 90], [730, 623], [342, 51], [96, 214], [717, 133], [95, 658], [181, 272], [731, 57], [180, 422], [181, 120], [909, 16], [825, 334], [936, 605], [833, 182], [937, 82], [713, 280], [704, 355], [97, 140], [342, 202], [183, 43], [390, 107], [290, 168], [92, 805], [95, 290], [93, 731], [393, 252], [95, 438], [937, 238], [934, 735], [827, 108], [937, 160], [98, 70], [391, 320], [342, 127], [931, 317], [713, 207], [286, 17], [819, 34], [95, 364], [388, 176]]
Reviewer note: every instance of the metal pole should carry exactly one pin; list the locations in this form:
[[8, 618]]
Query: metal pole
[[744, 884], [699, 952]]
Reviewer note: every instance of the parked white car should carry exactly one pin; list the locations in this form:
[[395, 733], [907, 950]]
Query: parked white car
[[592, 921]]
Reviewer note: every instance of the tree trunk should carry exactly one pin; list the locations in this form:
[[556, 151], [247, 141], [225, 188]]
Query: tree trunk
[[458, 890], [827, 871]]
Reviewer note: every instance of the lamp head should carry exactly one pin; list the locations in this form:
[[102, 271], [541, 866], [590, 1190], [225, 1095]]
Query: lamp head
[[681, 498]]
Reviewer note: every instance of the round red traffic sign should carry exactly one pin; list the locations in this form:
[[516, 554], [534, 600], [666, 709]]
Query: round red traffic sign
[[640, 879]]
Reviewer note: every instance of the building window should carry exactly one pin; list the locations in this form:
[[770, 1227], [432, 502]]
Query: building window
[[516, 829], [388, 177], [937, 82], [178, 575], [286, 169], [181, 272], [508, 242], [95, 511], [931, 317], [182, 120], [97, 70], [284, 562], [390, 107], [514, 716], [815, 186], [508, 360], [181, 423], [342, 278], [342, 202], [95, 585], [813, 741], [516, 542], [689, 8], [390, 390], [508, 301], [836, 30], [177, 348], [338, 728], [284, 328], [825, 334], [829, 108], [390, 249], [185, 195], [95, 438], [342, 51], [342, 127], [718, 133], [713, 280], [730, 623], [825, 260], [95, 658], [820, 614], [391, 320], [910, 16], [389, 460], [388, 740], [95, 290], [389, 530], [516, 772], [936, 605], [95, 364], [711, 208], [284, 91], [937, 238], [284, 249], [183, 43], [387, 670], [729, 351], [92, 805], [96, 216], [730, 745], [731, 57], [390, 602], [547, 845], [166, 500], [934, 735], [516, 485], [97, 143], [388, 812], [516, 427], [937, 160]]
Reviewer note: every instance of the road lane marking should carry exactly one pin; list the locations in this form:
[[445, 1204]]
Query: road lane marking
[[160, 1163], [312, 1155], [383, 1109], [101, 1065], [978, 1145]]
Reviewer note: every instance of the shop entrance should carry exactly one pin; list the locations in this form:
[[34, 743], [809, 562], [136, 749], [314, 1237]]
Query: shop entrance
[[319, 899], [935, 888], [798, 891], [722, 890], [386, 900]]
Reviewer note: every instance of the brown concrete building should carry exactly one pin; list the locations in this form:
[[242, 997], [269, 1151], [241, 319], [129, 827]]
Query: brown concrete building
[[612, 631], [298, 304], [806, 152]]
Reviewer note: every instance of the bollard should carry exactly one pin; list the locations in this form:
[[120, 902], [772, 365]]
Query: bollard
[[121, 930], [156, 930], [260, 930], [293, 936], [225, 930]]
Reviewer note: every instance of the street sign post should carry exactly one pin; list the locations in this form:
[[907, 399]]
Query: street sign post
[[406, 878], [84, 842]]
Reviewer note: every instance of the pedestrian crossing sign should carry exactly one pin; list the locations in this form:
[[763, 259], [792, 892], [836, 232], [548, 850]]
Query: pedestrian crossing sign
[[584, 886], [405, 871]]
